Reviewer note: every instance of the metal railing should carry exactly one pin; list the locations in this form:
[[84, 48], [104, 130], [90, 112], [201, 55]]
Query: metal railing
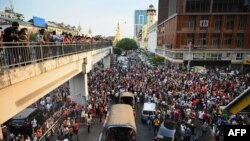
[[52, 129], [18, 54]]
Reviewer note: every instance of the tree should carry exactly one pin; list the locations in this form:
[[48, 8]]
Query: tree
[[117, 51], [157, 60], [127, 44]]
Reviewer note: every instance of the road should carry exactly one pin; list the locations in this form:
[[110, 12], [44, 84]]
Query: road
[[144, 133]]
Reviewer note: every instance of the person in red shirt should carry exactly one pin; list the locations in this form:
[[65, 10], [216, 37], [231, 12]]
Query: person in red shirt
[[76, 128], [194, 103]]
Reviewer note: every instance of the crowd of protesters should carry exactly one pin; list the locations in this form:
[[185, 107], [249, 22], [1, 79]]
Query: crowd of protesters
[[25, 48], [191, 99]]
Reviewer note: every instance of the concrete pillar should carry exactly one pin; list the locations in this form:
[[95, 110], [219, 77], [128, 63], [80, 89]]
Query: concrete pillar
[[106, 61], [79, 89]]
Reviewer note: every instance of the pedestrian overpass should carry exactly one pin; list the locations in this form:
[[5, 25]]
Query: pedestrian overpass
[[29, 73], [240, 103]]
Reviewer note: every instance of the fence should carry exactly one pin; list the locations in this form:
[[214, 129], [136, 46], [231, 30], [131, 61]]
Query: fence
[[16, 54]]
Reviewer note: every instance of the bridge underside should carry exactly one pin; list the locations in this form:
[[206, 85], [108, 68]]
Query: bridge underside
[[23, 86]]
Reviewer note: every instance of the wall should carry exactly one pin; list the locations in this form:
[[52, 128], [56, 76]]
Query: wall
[[152, 38]]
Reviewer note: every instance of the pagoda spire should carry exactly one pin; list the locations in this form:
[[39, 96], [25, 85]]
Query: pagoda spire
[[117, 35]]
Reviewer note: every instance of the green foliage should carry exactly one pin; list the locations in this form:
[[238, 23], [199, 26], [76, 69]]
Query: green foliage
[[117, 50], [127, 44], [157, 60], [32, 37]]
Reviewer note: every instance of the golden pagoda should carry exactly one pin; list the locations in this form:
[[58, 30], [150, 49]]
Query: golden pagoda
[[117, 35]]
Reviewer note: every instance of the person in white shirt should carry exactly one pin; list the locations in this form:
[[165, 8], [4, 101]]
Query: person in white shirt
[[34, 125]]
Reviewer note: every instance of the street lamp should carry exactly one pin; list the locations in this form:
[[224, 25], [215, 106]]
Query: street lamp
[[189, 54]]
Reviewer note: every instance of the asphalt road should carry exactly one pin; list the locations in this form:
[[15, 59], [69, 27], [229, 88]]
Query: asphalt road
[[144, 132]]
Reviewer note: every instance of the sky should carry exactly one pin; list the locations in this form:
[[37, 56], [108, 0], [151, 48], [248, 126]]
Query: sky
[[101, 16]]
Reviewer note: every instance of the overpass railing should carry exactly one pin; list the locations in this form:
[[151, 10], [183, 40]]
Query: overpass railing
[[18, 54]]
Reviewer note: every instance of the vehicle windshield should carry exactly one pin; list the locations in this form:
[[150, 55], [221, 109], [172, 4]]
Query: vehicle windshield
[[121, 134], [127, 100], [148, 112]]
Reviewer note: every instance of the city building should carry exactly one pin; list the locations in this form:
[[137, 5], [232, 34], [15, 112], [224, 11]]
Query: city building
[[9, 13], [151, 13], [215, 31], [140, 19], [152, 38], [118, 36], [61, 27]]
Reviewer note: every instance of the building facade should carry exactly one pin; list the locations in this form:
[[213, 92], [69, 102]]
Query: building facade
[[215, 30], [140, 19], [151, 13], [152, 38], [9, 13]]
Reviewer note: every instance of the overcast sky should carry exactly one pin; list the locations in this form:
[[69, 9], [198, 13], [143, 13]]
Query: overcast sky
[[101, 16]]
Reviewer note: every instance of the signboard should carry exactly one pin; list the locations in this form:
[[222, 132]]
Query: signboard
[[39, 22], [203, 23], [247, 61]]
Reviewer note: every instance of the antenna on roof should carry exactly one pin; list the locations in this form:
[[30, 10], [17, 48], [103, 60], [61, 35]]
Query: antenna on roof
[[11, 6]]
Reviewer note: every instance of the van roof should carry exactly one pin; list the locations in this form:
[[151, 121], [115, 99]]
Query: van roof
[[149, 107], [24, 114], [121, 115], [127, 94]]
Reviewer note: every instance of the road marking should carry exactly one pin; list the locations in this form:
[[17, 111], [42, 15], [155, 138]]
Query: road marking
[[106, 119], [104, 124], [100, 137]]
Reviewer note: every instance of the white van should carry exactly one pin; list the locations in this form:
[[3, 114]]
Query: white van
[[148, 110]]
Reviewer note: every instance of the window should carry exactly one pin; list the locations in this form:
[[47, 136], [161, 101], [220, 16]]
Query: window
[[239, 41], [190, 38], [179, 56], [191, 23], [214, 56], [227, 40], [215, 40], [230, 22], [199, 56], [217, 23], [202, 40], [242, 23], [231, 6], [198, 5], [239, 56], [141, 19]]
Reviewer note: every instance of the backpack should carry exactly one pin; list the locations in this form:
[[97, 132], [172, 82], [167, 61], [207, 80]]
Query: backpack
[[156, 122]]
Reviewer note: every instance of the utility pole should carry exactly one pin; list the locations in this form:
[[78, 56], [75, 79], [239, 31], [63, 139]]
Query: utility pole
[[189, 55]]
